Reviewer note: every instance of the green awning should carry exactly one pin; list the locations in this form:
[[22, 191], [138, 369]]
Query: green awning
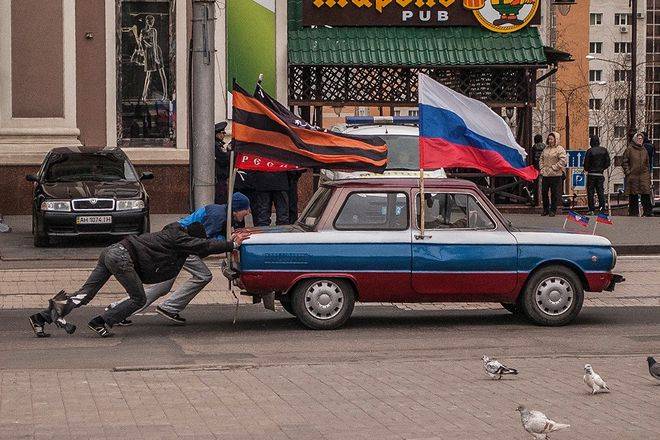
[[413, 46]]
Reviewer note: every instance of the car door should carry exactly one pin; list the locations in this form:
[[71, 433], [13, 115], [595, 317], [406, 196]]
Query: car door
[[372, 243], [465, 254]]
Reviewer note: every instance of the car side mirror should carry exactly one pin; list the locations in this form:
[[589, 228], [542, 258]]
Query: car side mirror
[[147, 175], [32, 178]]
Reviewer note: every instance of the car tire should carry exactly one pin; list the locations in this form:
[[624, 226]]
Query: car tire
[[514, 308], [40, 239], [323, 304], [287, 304], [553, 296], [146, 225]]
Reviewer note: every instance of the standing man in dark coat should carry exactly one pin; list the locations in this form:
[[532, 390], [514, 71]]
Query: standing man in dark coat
[[221, 164], [270, 189], [537, 151], [293, 176], [596, 161]]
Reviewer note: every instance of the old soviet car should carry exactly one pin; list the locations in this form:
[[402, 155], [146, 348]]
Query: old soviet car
[[360, 240]]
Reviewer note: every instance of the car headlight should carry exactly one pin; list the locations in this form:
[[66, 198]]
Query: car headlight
[[56, 205], [125, 205]]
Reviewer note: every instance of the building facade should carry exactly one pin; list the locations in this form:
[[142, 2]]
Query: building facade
[[652, 59], [108, 72]]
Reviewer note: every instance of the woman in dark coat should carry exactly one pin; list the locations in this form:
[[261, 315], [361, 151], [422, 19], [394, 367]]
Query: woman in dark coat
[[638, 177]]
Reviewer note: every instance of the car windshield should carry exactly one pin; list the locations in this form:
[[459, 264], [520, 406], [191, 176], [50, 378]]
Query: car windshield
[[312, 213], [88, 166], [402, 152]]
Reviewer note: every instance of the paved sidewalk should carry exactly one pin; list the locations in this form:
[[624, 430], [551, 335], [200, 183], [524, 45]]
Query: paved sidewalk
[[31, 288], [420, 400]]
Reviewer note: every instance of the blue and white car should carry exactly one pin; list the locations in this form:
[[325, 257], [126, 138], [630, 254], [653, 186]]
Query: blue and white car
[[360, 240]]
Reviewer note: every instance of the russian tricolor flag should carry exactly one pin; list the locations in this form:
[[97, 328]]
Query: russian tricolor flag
[[461, 132]]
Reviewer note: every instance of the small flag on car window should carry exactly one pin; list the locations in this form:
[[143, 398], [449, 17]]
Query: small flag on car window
[[580, 219], [604, 219]]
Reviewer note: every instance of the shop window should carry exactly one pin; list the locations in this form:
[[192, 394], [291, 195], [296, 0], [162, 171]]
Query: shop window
[[145, 73]]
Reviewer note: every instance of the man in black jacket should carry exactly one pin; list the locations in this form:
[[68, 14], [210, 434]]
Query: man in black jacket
[[596, 161], [147, 258], [270, 189], [221, 164]]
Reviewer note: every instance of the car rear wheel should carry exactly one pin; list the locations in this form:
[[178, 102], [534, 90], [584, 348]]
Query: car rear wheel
[[553, 296], [323, 304]]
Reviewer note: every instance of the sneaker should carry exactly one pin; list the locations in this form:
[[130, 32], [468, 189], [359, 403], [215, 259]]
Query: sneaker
[[171, 316], [125, 323], [552, 214], [98, 326], [37, 322]]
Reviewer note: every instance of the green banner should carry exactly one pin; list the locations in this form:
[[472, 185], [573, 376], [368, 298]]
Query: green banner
[[251, 43]]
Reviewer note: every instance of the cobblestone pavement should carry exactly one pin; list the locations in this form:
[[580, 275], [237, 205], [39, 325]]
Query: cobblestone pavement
[[357, 400], [31, 288]]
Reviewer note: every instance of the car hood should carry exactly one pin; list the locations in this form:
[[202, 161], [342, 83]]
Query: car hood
[[91, 189], [562, 238]]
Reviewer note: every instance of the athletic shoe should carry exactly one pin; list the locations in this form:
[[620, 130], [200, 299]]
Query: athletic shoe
[[552, 214], [125, 323], [171, 316], [37, 322], [98, 326]]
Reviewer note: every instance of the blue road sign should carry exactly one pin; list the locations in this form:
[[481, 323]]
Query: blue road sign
[[576, 158], [579, 179]]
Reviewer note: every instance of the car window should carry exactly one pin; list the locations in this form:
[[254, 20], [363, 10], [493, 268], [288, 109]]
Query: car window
[[82, 166], [402, 152], [386, 211], [312, 213], [453, 211]]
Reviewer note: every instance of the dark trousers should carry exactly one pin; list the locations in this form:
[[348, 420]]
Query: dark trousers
[[633, 205], [551, 185], [220, 192], [596, 184], [293, 203], [114, 260], [262, 208]]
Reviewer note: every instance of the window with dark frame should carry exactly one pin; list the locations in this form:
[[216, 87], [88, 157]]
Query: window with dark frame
[[596, 47], [622, 47], [373, 211], [594, 131], [595, 103], [619, 132], [595, 75], [595, 18]]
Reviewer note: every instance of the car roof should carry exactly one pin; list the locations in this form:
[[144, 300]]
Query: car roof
[[382, 129], [402, 183], [87, 150]]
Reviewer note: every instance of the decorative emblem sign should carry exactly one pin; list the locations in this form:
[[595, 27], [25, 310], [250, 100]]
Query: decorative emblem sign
[[496, 15]]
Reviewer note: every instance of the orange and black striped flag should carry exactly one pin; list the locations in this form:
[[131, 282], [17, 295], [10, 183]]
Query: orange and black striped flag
[[264, 127]]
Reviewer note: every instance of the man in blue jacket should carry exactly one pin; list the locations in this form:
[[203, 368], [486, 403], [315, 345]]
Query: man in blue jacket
[[214, 219]]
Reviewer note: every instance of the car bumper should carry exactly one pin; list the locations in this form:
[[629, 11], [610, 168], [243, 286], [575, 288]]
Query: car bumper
[[123, 223]]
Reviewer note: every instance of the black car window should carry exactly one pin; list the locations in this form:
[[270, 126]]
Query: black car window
[[374, 212], [453, 211], [312, 213], [88, 166]]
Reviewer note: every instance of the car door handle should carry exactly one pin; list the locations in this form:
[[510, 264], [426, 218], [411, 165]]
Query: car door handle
[[423, 237]]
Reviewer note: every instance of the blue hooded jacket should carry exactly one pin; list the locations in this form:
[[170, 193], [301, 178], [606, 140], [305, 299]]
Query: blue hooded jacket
[[214, 217]]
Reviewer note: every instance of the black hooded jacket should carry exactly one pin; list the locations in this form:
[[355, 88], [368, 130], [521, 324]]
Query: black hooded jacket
[[596, 160], [159, 256]]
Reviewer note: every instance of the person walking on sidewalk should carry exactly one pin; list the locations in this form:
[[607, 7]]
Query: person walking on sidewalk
[[637, 179], [214, 220], [596, 161], [146, 258], [552, 165]]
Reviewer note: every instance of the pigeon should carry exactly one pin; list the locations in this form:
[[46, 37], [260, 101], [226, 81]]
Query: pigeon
[[537, 424], [594, 381], [495, 369], [654, 367]]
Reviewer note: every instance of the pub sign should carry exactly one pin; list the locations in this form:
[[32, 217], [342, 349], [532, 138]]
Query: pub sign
[[496, 15]]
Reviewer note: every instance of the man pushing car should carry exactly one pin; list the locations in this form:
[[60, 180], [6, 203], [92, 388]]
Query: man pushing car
[[147, 258]]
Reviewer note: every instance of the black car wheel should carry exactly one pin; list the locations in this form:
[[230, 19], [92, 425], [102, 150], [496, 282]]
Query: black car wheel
[[513, 308], [39, 237], [553, 296], [323, 304]]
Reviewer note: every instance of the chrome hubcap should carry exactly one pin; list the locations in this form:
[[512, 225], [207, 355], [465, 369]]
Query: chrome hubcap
[[324, 300], [554, 296]]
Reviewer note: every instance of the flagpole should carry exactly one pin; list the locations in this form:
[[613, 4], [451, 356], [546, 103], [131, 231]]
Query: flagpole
[[595, 225], [565, 220], [422, 204]]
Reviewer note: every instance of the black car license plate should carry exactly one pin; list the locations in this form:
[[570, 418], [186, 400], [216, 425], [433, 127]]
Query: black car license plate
[[94, 219]]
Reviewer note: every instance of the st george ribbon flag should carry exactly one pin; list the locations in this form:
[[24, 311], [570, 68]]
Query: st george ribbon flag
[[461, 132], [264, 127]]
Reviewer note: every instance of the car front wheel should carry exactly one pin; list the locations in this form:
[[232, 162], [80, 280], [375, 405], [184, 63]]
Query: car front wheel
[[323, 304], [40, 238], [553, 296]]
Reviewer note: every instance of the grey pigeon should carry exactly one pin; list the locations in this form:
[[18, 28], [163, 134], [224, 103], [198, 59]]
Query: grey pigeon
[[654, 367], [495, 369], [594, 381], [537, 424]]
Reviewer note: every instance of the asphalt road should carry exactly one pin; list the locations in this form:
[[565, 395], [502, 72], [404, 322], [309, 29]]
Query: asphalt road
[[262, 338]]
